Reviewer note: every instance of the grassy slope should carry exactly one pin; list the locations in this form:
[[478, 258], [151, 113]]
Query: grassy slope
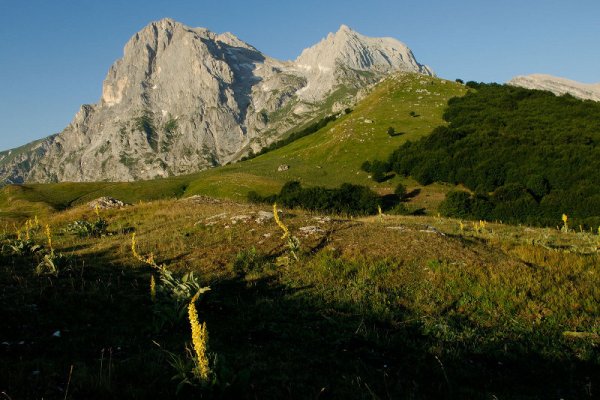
[[334, 154], [374, 309], [329, 157]]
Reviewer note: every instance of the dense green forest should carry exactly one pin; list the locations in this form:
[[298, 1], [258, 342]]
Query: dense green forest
[[527, 156]]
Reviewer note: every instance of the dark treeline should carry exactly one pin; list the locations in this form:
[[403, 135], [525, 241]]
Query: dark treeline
[[528, 156], [348, 199], [312, 128]]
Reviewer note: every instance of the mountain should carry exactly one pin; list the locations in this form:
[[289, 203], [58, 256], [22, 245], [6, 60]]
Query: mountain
[[558, 86], [184, 99]]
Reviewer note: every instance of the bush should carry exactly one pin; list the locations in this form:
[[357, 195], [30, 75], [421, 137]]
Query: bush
[[379, 170], [400, 191], [347, 199], [366, 166], [456, 204], [88, 229]]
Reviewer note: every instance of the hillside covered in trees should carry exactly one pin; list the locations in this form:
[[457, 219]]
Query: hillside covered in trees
[[527, 156]]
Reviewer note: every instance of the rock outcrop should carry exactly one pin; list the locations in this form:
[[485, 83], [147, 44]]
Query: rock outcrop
[[558, 86], [184, 99]]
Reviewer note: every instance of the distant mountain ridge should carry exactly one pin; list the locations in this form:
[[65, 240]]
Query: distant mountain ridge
[[183, 99], [558, 86]]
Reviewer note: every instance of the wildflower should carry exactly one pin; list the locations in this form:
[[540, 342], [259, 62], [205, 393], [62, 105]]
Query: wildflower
[[462, 226], [49, 236], [27, 228], [284, 228], [152, 288], [149, 260], [133, 247], [97, 210], [380, 213], [199, 340], [566, 225]]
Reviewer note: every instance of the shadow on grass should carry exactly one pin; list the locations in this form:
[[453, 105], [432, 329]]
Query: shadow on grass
[[272, 340], [277, 342]]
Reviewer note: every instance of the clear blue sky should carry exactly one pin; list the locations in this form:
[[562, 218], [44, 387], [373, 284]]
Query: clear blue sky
[[54, 54]]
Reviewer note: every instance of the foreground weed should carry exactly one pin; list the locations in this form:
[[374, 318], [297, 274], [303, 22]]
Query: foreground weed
[[200, 342], [97, 228], [292, 242], [51, 262], [565, 227], [152, 288], [170, 293]]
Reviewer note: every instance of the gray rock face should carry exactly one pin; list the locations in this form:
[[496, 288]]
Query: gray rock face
[[558, 86], [184, 99]]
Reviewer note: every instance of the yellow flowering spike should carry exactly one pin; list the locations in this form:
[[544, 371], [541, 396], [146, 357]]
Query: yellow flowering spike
[[37, 222], [18, 234], [97, 210], [137, 256], [566, 225], [462, 226], [152, 288], [284, 228], [133, 245], [199, 340], [49, 237], [379, 212], [27, 228]]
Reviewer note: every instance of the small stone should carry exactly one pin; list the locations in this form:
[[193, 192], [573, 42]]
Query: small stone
[[105, 203], [264, 216], [283, 167]]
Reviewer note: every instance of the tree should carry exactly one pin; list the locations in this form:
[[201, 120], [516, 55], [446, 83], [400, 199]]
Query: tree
[[379, 170], [456, 204], [400, 191]]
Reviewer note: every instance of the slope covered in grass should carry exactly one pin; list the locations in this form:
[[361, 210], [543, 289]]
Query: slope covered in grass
[[411, 104], [392, 307]]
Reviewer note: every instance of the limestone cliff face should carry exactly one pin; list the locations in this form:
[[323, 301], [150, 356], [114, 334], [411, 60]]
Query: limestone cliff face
[[558, 86], [183, 99]]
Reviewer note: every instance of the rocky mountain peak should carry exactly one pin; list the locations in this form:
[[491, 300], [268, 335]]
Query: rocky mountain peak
[[349, 50], [183, 99]]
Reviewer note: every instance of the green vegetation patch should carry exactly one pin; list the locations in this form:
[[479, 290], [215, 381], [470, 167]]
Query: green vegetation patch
[[529, 155]]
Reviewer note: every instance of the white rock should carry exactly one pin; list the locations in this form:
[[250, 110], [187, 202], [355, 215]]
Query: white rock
[[558, 86]]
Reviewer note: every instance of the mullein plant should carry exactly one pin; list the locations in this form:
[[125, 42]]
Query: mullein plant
[[565, 227], [292, 242], [200, 343], [24, 243], [52, 261], [171, 293]]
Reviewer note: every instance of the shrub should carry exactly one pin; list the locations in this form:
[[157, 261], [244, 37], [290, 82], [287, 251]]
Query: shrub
[[456, 204], [347, 199], [366, 166], [379, 170], [400, 191]]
